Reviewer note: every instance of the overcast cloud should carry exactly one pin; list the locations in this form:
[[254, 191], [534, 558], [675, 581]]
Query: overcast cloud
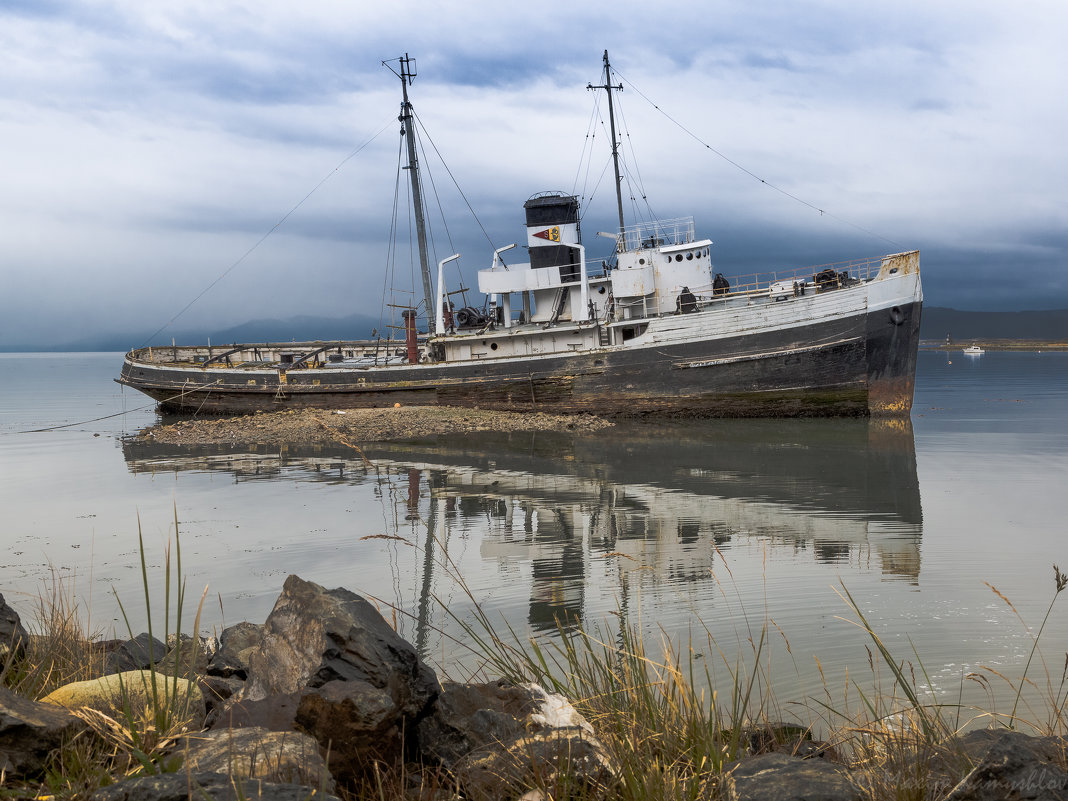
[[147, 146]]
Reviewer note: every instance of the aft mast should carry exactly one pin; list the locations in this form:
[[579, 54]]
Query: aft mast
[[607, 86], [407, 75]]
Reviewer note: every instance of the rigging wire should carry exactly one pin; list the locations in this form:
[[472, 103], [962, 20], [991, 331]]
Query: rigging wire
[[636, 178], [261, 240], [470, 208], [389, 273], [751, 174], [587, 145], [441, 214]]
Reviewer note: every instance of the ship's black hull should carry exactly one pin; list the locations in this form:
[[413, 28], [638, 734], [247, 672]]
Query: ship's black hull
[[862, 364]]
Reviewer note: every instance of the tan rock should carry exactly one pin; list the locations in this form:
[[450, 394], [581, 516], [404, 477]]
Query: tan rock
[[134, 687], [258, 754]]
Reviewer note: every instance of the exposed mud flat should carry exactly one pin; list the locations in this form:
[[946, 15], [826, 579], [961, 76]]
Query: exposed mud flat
[[315, 426]]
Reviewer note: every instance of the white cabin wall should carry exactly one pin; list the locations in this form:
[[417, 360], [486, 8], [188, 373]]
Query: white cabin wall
[[671, 275]]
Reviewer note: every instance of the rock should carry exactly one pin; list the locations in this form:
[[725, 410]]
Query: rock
[[106, 694], [498, 735], [217, 691], [235, 645], [314, 636], [287, 757], [29, 732], [355, 722], [135, 654], [12, 635], [789, 738], [275, 713], [1013, 767], [206, 787], [787, 778], [187, 660], [358, 686]]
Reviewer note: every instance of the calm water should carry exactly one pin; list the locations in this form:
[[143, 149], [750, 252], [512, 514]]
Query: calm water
[[698, 532]]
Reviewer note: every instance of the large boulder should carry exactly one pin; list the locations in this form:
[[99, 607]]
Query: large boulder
[[13, 636], [789, 778], [1012, 767], [287, 757], [109, 694], [30, 732], [314, 636], [499, 739], [205, 787], [359, 686]]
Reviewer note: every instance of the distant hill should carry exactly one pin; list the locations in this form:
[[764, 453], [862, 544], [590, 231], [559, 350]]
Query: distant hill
[[938, 323]]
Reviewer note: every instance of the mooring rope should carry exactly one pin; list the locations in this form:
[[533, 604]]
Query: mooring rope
[[185, 391]]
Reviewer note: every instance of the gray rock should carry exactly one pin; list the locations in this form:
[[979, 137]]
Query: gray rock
[[467, 717], [186, 660], [12, 635], [135, 654], [208, 786], [275, 713], [788, 778], [1013, 767], [357, 723], [30, 732], [235, 645], [789, 738], [217, 691], [286, 757], [314, 636], [498, 736]]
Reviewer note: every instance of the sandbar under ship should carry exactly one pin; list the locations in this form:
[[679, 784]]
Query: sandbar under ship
[[652, 330]]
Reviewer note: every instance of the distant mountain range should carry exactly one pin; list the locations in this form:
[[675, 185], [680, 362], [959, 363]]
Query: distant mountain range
[[299, 329], [937, 323], [1047, 326]]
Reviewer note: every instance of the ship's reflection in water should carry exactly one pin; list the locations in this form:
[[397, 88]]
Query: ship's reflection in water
[[573, 528]]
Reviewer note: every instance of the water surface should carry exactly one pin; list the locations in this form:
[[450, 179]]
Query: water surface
[[703, 532]]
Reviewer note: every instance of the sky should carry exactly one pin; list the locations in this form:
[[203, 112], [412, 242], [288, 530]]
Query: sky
[[148, 148]]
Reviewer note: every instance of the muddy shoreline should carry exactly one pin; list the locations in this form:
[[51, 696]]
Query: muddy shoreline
[[357, 426]]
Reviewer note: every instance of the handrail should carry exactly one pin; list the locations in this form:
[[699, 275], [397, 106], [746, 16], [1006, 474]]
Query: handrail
[[225, 355], [301, 361]]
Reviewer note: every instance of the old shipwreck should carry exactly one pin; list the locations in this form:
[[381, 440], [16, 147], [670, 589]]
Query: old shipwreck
[[654, 329]]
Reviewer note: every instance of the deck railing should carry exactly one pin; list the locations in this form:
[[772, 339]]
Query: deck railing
[[657, 233], [748, 287]]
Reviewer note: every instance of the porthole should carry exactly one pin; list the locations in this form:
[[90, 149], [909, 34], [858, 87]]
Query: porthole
[[601, 290], [641, 261], [493, 346], [689, 256], [678, 257]]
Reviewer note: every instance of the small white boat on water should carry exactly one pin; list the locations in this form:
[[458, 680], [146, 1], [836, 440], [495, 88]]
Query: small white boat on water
[[974, 350]]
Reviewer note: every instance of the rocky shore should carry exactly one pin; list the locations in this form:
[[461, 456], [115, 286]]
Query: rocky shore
[[358, 426], [325, 698]]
